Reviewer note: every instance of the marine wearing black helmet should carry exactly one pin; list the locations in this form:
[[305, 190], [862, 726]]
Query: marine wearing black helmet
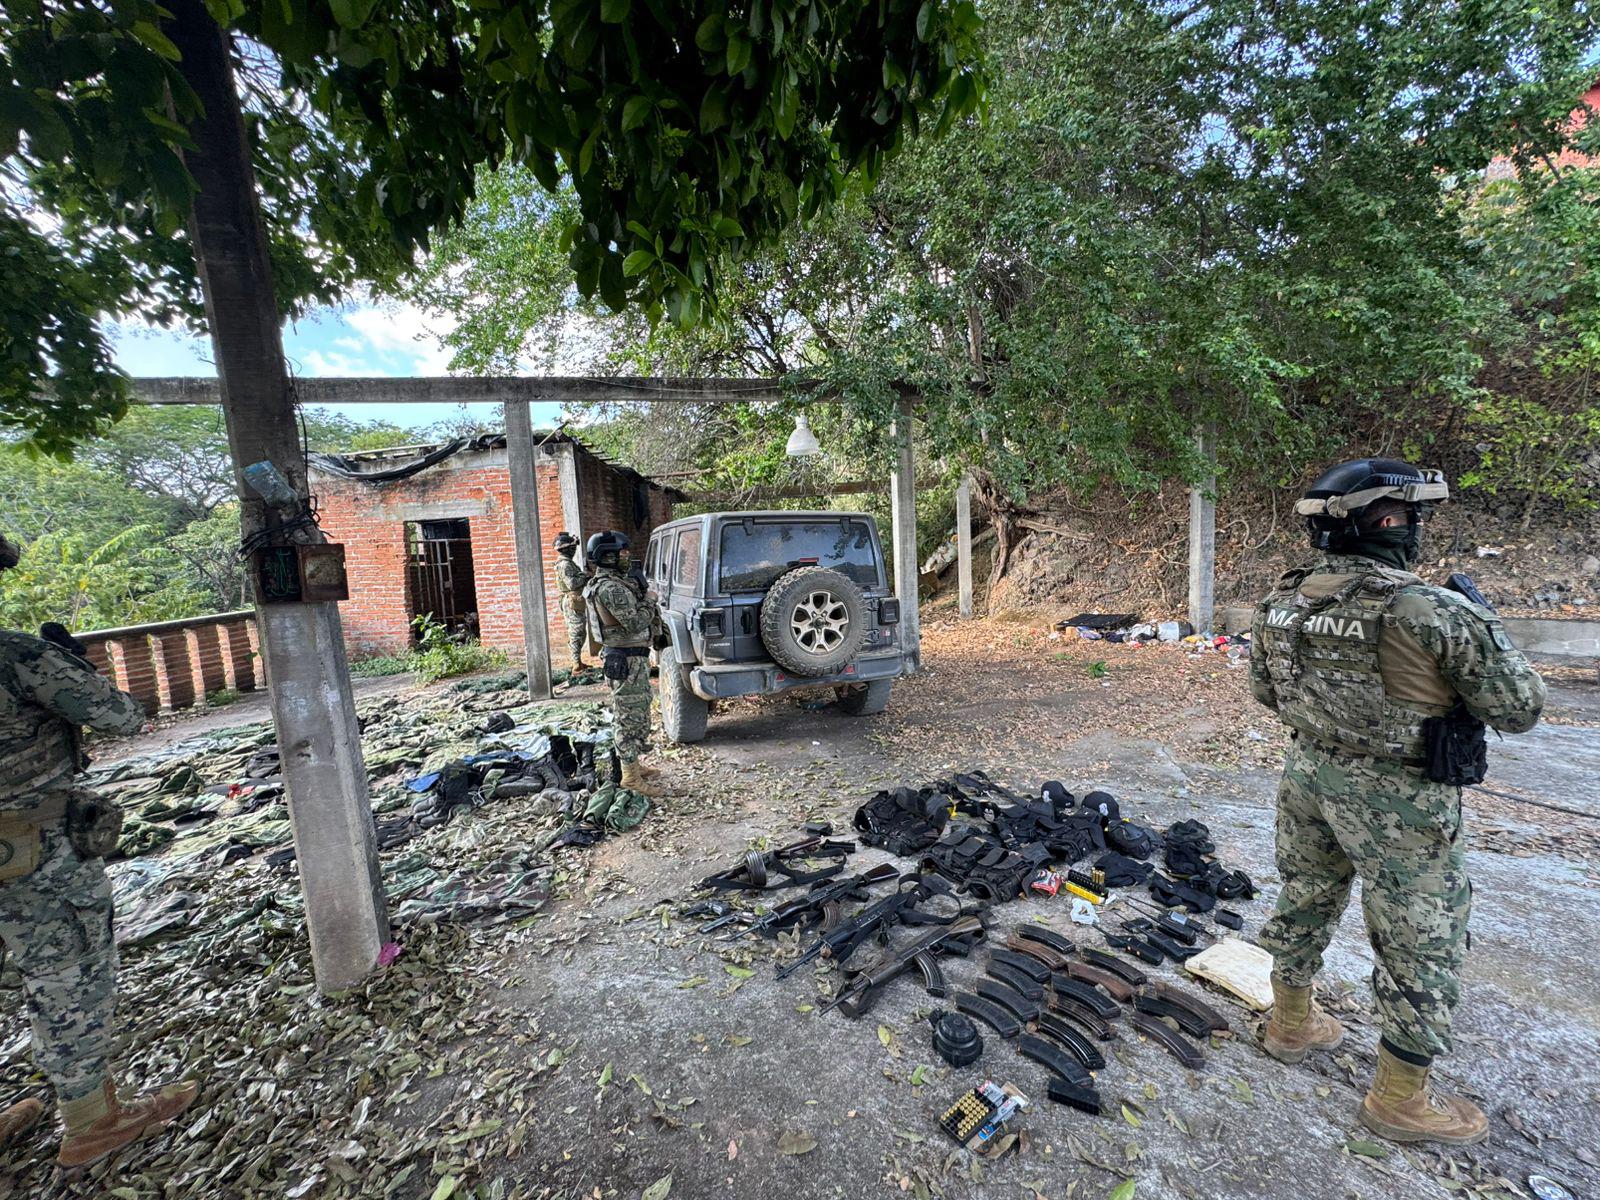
[[1354, 509], [570, 581], [1368, 665], [620, 620]]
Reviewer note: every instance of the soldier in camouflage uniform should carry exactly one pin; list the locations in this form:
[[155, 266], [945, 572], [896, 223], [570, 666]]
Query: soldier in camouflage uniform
[[570, 582], [620, 622], [1354, 654], [55, 898]]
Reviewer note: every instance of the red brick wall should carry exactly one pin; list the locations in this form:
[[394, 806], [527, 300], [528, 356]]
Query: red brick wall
[[370, 520]]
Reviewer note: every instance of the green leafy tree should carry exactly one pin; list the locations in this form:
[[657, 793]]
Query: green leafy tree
[[681, 136], [1537, 423], [1220, 212]]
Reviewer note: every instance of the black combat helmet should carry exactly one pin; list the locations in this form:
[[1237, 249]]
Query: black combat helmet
[[565, 543], [605, 546], [1332, 505], [10, 555]]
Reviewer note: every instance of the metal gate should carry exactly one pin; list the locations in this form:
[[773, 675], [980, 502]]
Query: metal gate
[[440, 576]]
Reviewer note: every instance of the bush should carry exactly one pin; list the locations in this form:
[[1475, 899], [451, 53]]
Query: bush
[[383, 664], [222, 697], [440, 655]]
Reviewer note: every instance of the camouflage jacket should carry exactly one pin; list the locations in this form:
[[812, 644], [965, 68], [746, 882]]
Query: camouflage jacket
[[1357, 654], [618, 615], [570, 577], [46, 694]]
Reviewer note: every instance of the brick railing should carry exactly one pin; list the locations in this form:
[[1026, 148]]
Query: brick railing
[[169, 665]]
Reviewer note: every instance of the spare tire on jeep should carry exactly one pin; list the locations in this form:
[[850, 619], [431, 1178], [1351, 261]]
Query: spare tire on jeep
[[813, 621]]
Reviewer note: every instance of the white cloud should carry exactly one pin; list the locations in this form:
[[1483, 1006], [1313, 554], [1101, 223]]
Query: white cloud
[[406, 332], [330, 362]]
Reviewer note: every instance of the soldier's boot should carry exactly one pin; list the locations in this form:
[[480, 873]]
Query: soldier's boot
[[578, 664], [1298, 1026], [100, 1123], [1400, 1107], [18, 1119], [635, 780]]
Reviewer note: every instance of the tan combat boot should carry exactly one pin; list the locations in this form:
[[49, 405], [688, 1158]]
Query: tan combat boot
[[635, 780], [100, 1123], [578, 666], [18, 1119], [1401, 1108], [1297, 1026]]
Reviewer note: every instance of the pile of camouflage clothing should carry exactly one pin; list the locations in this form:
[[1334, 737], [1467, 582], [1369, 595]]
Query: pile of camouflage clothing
[[218, 798]]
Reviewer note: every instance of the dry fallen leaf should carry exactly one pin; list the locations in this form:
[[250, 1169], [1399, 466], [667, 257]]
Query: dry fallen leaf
[[790, 1142]]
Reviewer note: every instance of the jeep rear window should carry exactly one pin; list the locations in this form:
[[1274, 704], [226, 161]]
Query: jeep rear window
[[752, 558]]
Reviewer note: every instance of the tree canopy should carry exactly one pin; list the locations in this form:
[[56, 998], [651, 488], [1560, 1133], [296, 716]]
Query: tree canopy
[[687, 134], [1218, 212]]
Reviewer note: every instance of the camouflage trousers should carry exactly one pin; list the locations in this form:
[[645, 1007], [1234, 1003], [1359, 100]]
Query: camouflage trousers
[[630, 705], [1339, 819], [575, 615], [56, 926]]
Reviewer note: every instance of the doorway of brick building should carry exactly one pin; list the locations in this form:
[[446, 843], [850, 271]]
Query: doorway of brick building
[[440, 579]]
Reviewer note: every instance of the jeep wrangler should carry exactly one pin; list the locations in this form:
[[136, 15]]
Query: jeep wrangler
[[754, 603]]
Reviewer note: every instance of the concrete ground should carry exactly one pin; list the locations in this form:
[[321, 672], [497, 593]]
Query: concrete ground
[[715, 1079]]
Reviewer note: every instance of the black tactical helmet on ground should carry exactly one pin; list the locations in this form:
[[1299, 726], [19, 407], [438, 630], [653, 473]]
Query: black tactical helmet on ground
[[10, 555], [1333, 505], [565, 543], [605, 546]]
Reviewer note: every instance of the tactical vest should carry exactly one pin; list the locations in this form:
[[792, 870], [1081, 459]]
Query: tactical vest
[[35, 754], [603, 627], [1322, 657], [570, 580]]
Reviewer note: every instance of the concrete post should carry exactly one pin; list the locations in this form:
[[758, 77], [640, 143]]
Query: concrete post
[[302, 649], [571, 505], [964, 544], [1203, 537], [903, 499], [530, 554]]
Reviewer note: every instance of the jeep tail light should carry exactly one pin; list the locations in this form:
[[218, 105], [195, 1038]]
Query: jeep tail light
[[711, 622], [888, 612]]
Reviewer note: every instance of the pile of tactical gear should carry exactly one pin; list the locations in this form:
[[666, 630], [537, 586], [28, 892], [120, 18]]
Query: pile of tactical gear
[[977, 846], [218, 798]]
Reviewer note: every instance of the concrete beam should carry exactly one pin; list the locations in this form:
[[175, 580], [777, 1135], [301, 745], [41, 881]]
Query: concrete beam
[[741, 498], [530, 554], [964, 544], [470, 389], [903, 501]]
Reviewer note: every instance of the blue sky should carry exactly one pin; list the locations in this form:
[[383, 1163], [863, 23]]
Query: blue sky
[[354, 339]]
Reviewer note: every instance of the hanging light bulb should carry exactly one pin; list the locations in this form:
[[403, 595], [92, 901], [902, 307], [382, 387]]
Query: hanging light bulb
[[802, 442]]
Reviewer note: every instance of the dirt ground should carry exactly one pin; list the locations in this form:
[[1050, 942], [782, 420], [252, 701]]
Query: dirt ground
[[1174, 737], [617, 1047]]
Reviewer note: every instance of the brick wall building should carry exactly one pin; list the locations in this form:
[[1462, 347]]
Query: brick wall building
[[440, 540]]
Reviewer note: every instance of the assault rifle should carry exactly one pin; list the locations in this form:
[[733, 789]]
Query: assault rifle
[[820, 906], [860, 992], [840, 942], [1456, 745]]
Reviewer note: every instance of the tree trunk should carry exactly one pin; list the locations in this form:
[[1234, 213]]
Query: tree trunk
[[302, 645]]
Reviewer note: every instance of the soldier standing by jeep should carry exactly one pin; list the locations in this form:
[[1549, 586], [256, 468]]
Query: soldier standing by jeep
[[620, 621], [55, 899], [1386, 684], [570, 582]]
